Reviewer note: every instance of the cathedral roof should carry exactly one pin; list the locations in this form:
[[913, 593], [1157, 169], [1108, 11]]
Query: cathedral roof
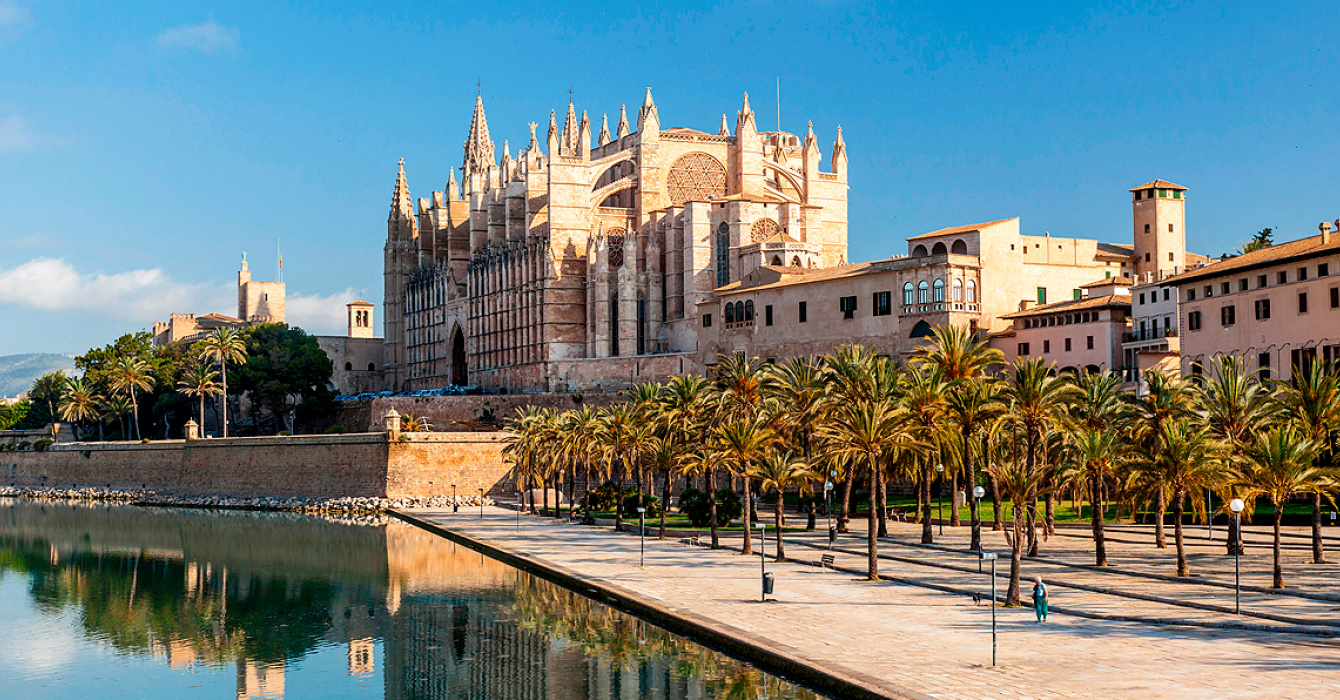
[[478, 146]]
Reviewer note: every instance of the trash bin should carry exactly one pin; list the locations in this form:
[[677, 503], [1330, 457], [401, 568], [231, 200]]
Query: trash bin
[[768, 582], [832, 533]]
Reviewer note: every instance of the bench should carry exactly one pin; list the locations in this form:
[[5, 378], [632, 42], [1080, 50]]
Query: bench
[[693, 541], [826, 561]]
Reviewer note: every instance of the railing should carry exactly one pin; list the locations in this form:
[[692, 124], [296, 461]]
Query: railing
[[1149, 334]]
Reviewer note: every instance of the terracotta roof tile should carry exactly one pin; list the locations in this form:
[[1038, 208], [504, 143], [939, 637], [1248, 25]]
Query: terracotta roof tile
[[1109, 282], [961, 229], [1074, 305], [1276, 254], [1158, 185]]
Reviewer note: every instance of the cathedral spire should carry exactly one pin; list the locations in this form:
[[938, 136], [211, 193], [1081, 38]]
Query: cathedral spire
[[744, 119], [839, 154], [584, 137], [622, 130], [552, 139], [401, 206], [724, 130], [478, 147], [648, 112], [570, 134], [453, 192], [604, 130]]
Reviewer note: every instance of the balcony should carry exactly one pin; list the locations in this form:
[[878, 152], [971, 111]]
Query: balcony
[[1139, 336]]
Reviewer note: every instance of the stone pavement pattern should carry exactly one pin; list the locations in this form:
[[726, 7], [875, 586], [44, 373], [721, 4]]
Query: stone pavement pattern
[[931, 643]]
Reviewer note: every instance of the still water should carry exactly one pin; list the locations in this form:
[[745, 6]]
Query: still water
[[124, 602]]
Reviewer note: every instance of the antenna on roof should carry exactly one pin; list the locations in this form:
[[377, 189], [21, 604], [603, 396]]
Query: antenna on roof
[[280, 253]]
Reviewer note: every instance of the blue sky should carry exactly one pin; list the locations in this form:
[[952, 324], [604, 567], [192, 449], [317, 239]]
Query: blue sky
[[145, 145]]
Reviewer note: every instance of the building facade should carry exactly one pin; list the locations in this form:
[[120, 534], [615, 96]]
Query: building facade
[[257, 303], [1277, 308], [358, 356]]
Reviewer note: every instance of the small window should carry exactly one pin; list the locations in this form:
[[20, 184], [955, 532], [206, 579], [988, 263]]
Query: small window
[[1067, 345], [801, 313], [707, 320], [1335, 297], [1193, 321], [767, 315], [371, 367], [1079, 294], [1197, 369], [1262, 309], [1177, 194], [883, 303], [1146, 257], [1242, 284], [938, 292], [1089, 342], [1227, 315], [1142, 299], [1323, 270], [748, 311], [847, 305], [1282, 277], [1170, 228], [956, 291], [730, 314], [1190, 295], [1046, 346], [1209, 291], [1261, 282], [1224, 288], [1302, 274], [1023, 349], [972, 292], [348, 366], [908, 295], [1165, 294], [1146, 228], [1170, 257], [1042, 295], [923, 292], [1263, 365], [1302, 302]]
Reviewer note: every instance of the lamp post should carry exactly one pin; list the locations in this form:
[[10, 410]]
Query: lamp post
[[940, 497], [520, 500], [1209, 513], [991, 556], [1236, 505], [455, 505], [762, 558], [977, 493], [642, 536], [828, 512], [481, 504]]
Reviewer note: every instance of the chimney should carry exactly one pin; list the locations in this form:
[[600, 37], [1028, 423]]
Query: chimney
[[1325, 227]]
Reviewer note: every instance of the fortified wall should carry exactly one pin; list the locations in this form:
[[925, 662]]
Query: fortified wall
[[330, 466], [456, 413]]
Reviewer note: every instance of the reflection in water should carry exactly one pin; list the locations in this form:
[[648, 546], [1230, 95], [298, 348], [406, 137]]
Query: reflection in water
[[271, 598]]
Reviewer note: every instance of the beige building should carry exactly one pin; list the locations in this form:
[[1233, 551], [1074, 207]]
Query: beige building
[[1278, 307], [257, 303], [358, 356], [584, 261], [1076, 335]]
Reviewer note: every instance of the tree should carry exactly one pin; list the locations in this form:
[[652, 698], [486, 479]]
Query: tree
[[46, 393], [1261, 239], [1098, 418], [798, 387], [200, 381], [744, 442], [129, 374], [1312, 403], [79, 402], [1036, 402], [1279, 464], [116, 407], [1191, 459], [225, 345], [922, 395], [1020, 483], [973, 405], [1167, 398], [777, 472], [742, 387], [285, 369]]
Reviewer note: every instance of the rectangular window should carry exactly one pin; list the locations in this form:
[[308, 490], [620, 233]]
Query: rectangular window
[[1282, 277], [1089, 342], [1023, 349], [1224, 288], [1335, 297], [1042, 296], [883, 303], [1302, 274], [1165, 293], [1323, 270], [1262, 309], [1302, 302], [1190, 295], [1142, 298], [1242, 284], [1302, 359], [1263, 365], [1260, 281], [1067, 345], [1046, 346], [1079, 294], [767, 315], [707, 320], [1209, 291], [847, 305], [1197, 369], [1193, 320], [802, 312], [1228, 315]]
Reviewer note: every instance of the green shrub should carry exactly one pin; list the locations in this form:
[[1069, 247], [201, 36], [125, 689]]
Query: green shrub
[[650, 502], [695, 504], [24, 445], [335, 430], [43, 444]]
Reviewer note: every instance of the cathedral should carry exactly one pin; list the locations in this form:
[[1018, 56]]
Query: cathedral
[[590, 262]]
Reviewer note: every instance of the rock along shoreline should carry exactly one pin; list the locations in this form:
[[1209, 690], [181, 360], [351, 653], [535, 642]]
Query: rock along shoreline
[[293, 504]]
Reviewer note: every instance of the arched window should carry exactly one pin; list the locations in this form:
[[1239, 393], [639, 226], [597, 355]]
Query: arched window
[[921, 330], [938, 292], [923, 292], [972, 291], [795, 261], [372, 367], [749, 311], [723, 255], [939, 249], [908, 299], [776, 261], [957, 290], [348, 366], [959, 248], [919, 251], [730, 313]]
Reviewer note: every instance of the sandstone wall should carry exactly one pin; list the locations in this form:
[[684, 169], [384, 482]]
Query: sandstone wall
[[312, 465]]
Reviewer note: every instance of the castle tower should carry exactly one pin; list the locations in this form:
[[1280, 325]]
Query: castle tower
[[259, 302], [360, 319], [1159, 215]]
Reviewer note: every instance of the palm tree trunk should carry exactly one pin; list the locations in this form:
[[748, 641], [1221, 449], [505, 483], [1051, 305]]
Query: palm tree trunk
[[712, 506], [1049, 500], [1096, 517], [883, 503], [135, 413], [927, 536], [811, 515], [748, 547], [844, 516], [1318, 553], [572, 490], [1016, 554], [1278, 570], [1182, 568], [954, 520], [223, 365], [618, 500], [872, 541], [777, 516], [1031, 520], [202, 412], [665, 500], [997, 516], [1161, 508], [544, 486]]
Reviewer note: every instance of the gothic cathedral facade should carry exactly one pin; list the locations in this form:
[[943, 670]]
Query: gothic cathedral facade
[[593, 263]]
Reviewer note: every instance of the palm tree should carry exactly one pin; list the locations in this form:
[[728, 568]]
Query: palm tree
[[1312, 403], [200, 381], [958, 352], [79, 401], [779, 471], [1020, 484], [1093, 452], [224, 345], [116, 407], [1036, 400], [742, 386], [1191, 459], [973, 405], [50, 386], [922, 394], [129, 374], [744, 442], [1167, 398], [1279, 464], [849, 377], [801, 397]]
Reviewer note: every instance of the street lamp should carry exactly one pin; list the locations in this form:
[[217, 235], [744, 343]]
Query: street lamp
[[991, 556], [455, 505], [481, 504], [762, 559], [940, 497], [828, 511], [1209, 513], [642, 535], [977, 493], [1236, 505]]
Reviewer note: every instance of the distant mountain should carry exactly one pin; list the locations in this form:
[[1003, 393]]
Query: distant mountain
[[17, 372]]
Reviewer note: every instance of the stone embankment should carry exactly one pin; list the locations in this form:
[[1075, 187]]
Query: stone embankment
[[167, 498]]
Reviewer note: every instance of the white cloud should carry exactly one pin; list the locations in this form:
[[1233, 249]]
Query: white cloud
[[13, 16], [147, 295], [17, 135], [35, 240], [207, 37]]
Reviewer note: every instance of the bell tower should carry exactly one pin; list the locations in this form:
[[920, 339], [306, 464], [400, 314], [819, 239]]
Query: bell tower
[[1159, 215]]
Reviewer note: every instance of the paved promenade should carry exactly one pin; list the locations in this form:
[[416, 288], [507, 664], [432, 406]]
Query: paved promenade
[[917, 641]]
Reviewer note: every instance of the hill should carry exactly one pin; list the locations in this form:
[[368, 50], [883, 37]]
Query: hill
[[17, 372]]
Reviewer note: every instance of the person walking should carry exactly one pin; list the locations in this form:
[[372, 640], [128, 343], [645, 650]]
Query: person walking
[[1040, 599]]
